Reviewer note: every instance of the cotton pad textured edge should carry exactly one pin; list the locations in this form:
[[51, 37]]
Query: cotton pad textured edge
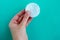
[[33, 8]]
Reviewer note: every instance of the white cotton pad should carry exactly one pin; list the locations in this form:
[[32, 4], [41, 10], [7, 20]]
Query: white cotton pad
[[33, 8]]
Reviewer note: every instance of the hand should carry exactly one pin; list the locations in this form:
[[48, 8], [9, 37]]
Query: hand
[[18, 25]]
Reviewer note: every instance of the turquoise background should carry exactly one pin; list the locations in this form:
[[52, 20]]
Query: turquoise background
[[44, 27]]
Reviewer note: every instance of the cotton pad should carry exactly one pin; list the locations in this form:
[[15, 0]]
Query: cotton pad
[[33, 8]]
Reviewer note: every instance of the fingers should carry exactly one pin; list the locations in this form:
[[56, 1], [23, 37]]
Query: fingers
[[29, 20], [25, 19], [21, 13], [17, 17], [22, 19]]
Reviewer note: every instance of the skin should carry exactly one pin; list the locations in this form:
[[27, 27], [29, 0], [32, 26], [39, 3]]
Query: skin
[[18, 25]]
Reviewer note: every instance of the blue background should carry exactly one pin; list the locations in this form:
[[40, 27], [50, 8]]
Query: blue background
[[44, 27]]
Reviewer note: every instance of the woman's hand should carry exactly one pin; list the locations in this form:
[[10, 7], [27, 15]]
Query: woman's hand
[[18, 25]]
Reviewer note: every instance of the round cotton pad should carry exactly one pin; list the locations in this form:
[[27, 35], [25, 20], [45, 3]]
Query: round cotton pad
[[33, 8]]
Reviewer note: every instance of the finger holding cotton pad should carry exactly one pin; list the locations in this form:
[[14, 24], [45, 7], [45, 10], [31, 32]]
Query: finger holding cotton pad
[[33, 8]]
